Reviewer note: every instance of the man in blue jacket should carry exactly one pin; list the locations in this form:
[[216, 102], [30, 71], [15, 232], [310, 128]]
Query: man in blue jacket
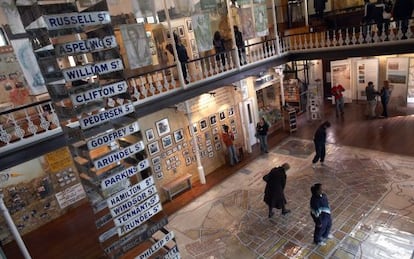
[[321, 215]]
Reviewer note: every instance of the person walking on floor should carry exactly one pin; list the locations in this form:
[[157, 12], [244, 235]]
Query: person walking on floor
[[321, 215], [274, 195], [339, 99], [320, 141], [385, 98], [319, 6], [371, 94], [228, 139], [261, 132]]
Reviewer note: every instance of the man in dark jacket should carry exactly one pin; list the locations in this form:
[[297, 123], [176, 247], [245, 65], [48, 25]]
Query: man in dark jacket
[[321, 215], [274, 195], [320, 141]]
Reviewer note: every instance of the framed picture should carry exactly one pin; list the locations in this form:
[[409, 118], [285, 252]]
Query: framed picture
[[213, 120], [210, 154], [189, 24], [149, 133], [168, 34], [181, 32], [222, 115], [167, 142], [178, 135], [210, 148], [160, 175], [203, 124], [215, 130], [193, 46], [156, 160], [157, 168], [231, 111], [208, 142], [153, 148], [218, 146], [175, 31], [194, 128], [162, 127]]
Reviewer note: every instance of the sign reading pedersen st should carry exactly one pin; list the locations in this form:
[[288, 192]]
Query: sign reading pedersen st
[[105, 116]]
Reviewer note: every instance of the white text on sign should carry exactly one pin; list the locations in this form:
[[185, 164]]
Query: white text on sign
[[99, 93], [105, 116], [100, 68], [118, 155], [73, 20], [124, 174], [122, 196], [86, 46], [107, 138]]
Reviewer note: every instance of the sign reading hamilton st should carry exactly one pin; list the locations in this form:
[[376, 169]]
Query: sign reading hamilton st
[[99, 93], [73, 20], [105, 116], [122, 196], [100, 68], [118, 155], [134, 202], [86, 46]]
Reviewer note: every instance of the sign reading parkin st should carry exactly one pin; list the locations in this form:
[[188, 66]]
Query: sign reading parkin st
[[122, 196], [118, 155], [86, 46], [100, 68], [99, 93], [124, 174], [105, 116], [73, 20], [105, 139]]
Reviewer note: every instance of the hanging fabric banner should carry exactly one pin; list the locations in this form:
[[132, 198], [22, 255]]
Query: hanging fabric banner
[[247, 25], [143, 8], [260, 14], [202, 31], [136, 45]]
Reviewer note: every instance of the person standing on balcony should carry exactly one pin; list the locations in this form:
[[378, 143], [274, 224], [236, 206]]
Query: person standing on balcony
[[261, 132], [403, 10], [182, 56], [240, 45], [371, 94], [319, 6], [228, 139], [339, 99], [218, 43]]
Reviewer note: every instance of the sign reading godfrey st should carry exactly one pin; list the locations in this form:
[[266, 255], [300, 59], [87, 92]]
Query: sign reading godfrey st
[[107, 138], [118, 155], [99, 93], [105, 116], [100, 68], [73, 20]]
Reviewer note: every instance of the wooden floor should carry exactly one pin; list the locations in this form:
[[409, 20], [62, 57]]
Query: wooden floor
[[74, 235]]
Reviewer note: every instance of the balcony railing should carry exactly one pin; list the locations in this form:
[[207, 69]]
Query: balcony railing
[[31, 123]]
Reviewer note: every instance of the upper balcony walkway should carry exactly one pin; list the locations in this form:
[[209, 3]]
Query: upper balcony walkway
[[26, 127]]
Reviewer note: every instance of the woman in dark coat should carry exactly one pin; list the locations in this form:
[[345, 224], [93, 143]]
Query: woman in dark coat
[[274, 192]]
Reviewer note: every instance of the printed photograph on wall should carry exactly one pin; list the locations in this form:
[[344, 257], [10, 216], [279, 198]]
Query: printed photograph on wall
[[153, 148], [202, 31], [136, 45], [156, 160], [222, 115], [194, 129], [203, 124], [213, 120], [163, 127], [189, 25], [178, 135], [149, 133], [397, 69], [231, 111], [167, 142]]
